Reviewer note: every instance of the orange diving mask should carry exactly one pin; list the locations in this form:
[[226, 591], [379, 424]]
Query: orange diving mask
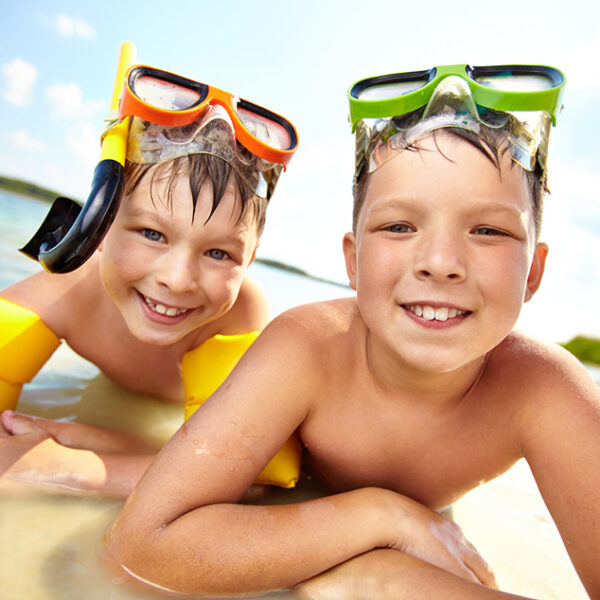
[[167, 99]]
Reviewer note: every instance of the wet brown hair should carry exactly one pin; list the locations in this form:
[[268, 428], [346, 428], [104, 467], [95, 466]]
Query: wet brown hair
[[201, 169]]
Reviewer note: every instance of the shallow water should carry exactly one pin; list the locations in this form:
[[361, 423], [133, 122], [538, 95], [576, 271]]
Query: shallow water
[[51, 543]]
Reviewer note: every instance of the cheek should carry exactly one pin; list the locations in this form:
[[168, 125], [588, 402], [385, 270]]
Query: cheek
[[120, 262], [505, 280], [380, 267], [224, 286]]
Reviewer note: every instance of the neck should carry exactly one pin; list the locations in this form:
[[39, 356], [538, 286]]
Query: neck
[[421, 385]]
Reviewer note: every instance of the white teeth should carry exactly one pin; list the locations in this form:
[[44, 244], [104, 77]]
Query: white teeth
[[428, 313], [161, 309], [439, 314]]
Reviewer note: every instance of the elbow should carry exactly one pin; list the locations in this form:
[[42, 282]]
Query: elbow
[[130, 550], [147, 559]]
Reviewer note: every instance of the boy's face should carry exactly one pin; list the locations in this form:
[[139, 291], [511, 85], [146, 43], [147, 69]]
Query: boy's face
[[169, 275], [444, 254]]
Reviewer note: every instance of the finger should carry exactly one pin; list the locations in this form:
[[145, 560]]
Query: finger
[[68, 434], [78, 435], [481, 569], [3, 431], [460, 569], [18, 424]]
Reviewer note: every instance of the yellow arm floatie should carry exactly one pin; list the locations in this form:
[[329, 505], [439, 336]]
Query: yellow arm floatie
[[205, 368], [26, 343]]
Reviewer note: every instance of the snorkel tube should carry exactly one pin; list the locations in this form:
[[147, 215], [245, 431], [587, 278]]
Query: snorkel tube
[[70, 233]]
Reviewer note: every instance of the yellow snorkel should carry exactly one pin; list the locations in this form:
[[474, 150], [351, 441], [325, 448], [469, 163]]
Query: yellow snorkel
[[70, 233], [114, 142]]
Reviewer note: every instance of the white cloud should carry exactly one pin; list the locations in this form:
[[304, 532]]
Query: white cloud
[[74, 27], [21, 139], [19, 78], [66, 101], [576, 65], [83, 140]]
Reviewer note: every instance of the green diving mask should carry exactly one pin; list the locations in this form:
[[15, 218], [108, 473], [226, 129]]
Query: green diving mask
[[518, 103]]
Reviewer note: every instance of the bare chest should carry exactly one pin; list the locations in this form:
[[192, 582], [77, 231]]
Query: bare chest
[[434, 457], [138, 367]]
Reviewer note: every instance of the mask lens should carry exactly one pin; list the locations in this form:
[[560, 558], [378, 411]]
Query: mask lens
[[163, 94], [515, 82], [389, 90], [266, 130]]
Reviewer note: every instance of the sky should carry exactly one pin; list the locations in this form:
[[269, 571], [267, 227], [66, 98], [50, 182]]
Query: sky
[[58, 59]]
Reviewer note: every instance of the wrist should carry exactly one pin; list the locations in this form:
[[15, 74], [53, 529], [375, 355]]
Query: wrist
[[395, 516], [385, 511]]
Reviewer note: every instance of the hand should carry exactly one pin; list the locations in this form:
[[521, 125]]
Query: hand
[[14, 447], [74, 435], [427, 535]]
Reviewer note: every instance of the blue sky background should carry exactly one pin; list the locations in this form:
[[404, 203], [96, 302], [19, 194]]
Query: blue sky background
[[57, 63]]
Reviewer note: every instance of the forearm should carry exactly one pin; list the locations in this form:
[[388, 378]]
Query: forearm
[[236, 549], [389, 574]]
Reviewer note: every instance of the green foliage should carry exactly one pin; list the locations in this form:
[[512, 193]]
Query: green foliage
[[584, 348]]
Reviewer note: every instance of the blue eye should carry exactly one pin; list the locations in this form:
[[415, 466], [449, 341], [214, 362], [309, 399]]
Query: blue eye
[[152, 235], [399, 228], [217, 254]]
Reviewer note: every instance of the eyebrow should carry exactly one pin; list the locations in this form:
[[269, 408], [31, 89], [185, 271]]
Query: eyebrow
[[498, 208], [395, 202], [135, 212]]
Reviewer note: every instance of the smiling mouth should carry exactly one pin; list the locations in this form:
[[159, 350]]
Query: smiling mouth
[[429, 313], [161, 309]]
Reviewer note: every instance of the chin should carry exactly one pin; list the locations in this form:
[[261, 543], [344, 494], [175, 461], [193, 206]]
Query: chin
[[157, 338]]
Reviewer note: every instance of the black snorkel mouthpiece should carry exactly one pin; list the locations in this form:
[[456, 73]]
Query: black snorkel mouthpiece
[[70, 233]]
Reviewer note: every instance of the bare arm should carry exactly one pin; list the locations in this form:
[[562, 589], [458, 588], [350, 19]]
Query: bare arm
[[182, 530], [389, 575], [561, 433]]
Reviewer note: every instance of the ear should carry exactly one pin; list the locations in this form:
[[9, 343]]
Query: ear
[[536, 270], [253, 254], [349, 245]]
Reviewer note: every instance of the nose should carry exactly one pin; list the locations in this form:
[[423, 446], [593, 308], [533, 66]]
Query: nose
[[179, 271], [440, 257]]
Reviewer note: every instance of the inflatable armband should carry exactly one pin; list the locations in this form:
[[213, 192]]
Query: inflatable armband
[[26, 343], [205, 368]]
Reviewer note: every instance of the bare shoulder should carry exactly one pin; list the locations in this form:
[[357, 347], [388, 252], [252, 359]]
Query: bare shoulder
[[57, 299], [546, 381], [322, 322], [317, 334], [537, 363]]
